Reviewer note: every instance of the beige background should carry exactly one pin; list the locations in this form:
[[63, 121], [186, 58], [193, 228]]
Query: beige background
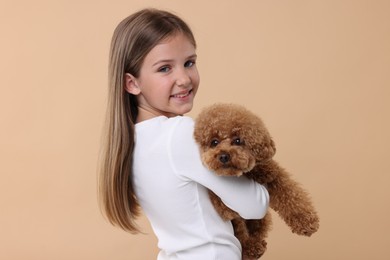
[[318, 72]]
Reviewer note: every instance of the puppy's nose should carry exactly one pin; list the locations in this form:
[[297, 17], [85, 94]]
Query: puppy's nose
[[224, 157]]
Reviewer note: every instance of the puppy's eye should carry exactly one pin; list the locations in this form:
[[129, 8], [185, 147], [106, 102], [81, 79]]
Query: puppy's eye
[[214, 143], [237, 141]]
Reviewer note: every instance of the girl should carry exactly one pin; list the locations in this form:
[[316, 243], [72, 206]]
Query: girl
[[150, 158]]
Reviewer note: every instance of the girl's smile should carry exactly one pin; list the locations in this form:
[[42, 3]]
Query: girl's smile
[[183, 96]]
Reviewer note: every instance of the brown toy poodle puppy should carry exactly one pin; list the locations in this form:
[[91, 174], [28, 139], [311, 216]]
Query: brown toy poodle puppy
[[233, 142]]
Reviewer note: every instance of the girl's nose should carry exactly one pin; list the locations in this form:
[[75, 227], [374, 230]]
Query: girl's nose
[[183, 78]]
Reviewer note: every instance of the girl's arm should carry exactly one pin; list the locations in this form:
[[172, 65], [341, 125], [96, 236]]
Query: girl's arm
[[246, 197]]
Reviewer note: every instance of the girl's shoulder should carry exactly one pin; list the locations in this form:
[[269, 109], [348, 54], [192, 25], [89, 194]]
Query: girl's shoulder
[[178, 122], [182, 126], [183, 120]]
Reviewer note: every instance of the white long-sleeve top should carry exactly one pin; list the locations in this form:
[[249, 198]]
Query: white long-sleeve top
[[171, 185]]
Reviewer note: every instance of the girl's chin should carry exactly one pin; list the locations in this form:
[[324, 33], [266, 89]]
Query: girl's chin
[[183, 105], [182, 110]]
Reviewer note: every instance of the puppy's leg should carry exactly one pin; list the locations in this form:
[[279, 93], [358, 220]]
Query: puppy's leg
[[241, 232], [291, 202], [255, 246], [250, 233]]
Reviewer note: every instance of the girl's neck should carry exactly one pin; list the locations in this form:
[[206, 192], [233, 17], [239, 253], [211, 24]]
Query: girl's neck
[[145, 114]]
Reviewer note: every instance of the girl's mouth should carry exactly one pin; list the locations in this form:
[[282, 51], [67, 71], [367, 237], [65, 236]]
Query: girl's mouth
[[182, 95]]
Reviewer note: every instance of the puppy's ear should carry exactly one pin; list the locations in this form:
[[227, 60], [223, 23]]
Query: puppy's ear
[[267, 150], [199, 135], [273, 147]]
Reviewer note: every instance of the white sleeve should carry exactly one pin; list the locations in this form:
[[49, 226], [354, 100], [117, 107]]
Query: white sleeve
[[246, 197]]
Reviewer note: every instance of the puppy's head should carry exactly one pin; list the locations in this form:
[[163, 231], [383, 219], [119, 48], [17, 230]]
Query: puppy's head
[[232, 139]]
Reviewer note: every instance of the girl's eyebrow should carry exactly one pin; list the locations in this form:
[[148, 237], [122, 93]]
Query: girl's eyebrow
[[193, 56], [162, 61]]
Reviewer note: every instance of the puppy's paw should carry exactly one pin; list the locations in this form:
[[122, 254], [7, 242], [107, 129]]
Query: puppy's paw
[[304, 224], [254, 250]]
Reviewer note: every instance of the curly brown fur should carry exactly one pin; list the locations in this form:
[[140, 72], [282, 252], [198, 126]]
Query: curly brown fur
[[233, 141]]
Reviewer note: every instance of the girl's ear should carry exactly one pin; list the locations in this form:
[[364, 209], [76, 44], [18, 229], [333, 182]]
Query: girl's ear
[[131, 85]]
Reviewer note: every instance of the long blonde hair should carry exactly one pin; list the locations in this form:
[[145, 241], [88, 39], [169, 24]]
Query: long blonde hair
[[132, 40]]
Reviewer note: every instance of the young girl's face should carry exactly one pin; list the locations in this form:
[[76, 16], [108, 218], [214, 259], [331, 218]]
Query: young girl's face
[[168, 79]]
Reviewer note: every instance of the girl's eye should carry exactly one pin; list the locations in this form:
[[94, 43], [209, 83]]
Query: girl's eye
[[164, 69], [237, 141], [189, 63], [214, 143]]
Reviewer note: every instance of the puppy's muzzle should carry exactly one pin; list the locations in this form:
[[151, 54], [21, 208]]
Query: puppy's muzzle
[[224, 158]]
